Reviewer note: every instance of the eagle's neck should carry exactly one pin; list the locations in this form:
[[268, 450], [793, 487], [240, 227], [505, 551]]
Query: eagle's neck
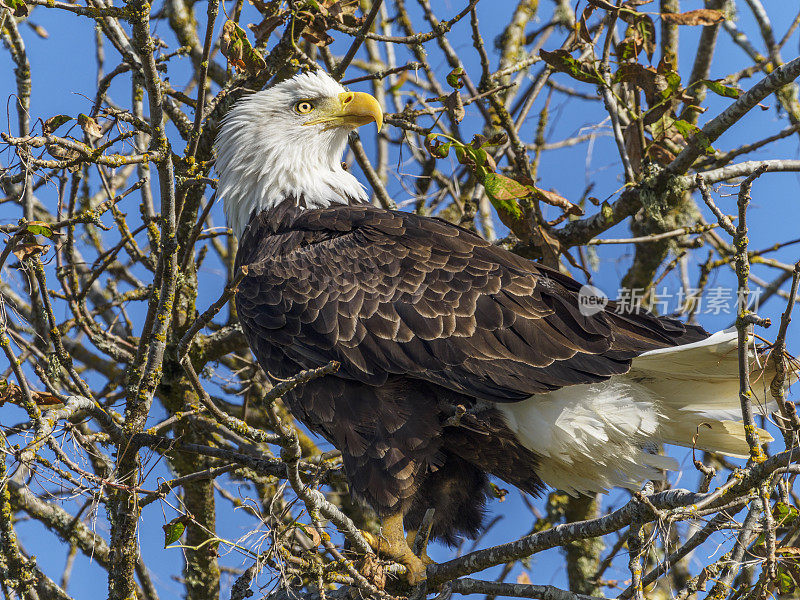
[[259, 168]]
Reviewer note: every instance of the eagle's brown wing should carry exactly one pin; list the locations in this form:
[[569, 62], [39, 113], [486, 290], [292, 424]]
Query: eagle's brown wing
[[391, 293], [423, 316]]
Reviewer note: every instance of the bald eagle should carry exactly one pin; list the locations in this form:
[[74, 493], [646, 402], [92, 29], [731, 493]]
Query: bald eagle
[[458, 359]]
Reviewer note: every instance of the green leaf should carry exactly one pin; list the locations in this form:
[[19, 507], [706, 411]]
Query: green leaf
[[647, 30], [661, 126], [55, 122], [174, 529], [504, 189], [789, 554], [455, 78], [628, 49], [687, 130], [461, 155], [719, 88], [606, 211], [436, 148], [472, 155], [784, 581], [673, 84], [18, 7], [477, 160], [643, 28], [480, 155], [784, 514], [561, 61], [443, 149], [503, 192], [40, 228]]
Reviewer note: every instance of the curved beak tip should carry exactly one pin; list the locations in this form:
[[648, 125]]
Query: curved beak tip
[[363, 107]]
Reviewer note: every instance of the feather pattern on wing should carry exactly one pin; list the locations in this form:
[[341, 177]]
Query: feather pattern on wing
[[432, 326], [390, 293]]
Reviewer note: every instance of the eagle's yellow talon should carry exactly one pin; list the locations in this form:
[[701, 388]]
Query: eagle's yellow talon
[[392, 544], [416, 570], [373, 541]]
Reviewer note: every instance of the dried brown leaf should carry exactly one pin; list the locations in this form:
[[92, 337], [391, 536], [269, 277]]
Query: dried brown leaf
[[11, 392], [234, 45], [23, 251], [548, 246], [61, 153], [263, 30], [587, 12], [312, 533], [643, 77], [659, 154], [90, 126], [343, 11], [53, 123], [316, 31], [455, 106], [551, 198], [265, 7], [583, 31], [374, 570], [602, 4]]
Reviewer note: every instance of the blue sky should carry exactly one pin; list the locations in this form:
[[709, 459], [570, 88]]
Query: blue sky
[[63, 71]]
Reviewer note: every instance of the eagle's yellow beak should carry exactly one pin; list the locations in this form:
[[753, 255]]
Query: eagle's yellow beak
[[350, 109], [361, 108]]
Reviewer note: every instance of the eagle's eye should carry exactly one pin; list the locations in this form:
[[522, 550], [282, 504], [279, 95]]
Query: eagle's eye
[[303, 107]]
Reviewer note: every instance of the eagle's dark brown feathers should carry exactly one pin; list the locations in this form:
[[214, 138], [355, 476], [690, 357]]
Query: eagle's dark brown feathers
[[428, 321]]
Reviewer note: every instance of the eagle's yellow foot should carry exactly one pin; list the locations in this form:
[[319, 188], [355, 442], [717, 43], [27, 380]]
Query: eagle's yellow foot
[[416, 570], [373, 541], [392, 544]]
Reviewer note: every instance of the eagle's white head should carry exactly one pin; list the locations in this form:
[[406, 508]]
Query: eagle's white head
[[287, 141]]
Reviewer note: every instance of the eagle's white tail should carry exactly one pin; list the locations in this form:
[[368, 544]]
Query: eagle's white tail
[[698, 385], [594, 437]]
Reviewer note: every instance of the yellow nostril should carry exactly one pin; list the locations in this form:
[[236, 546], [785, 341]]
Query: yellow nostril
[[348, 98]]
